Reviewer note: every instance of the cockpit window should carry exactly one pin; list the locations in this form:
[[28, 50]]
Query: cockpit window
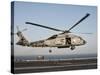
[[52, 37], [80, 38]]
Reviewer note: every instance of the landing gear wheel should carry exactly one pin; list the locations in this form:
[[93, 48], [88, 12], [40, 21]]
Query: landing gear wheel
[[72, 47]]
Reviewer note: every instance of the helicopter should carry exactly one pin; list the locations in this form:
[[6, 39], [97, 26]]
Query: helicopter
[[61, 40]]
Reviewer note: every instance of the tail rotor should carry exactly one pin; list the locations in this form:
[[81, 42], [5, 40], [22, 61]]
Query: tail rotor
[[22, 40]]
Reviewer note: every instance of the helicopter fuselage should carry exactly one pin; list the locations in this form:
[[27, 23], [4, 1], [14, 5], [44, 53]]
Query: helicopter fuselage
[[60, 41]]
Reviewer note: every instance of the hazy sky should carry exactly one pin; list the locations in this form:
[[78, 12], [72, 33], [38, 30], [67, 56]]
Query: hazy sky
[[58, 16]]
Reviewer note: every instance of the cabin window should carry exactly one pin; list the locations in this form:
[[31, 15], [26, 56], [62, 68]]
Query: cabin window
[[68, 41], [52, 37]]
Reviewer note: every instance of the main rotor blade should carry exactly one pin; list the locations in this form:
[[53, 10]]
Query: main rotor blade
[[44, 26], [81, 33], [79, 21]]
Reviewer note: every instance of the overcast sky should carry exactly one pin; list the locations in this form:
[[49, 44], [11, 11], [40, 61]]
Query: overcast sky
[[58, 16]]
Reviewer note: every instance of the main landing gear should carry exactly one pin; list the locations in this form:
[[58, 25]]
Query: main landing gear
[[72, 47]]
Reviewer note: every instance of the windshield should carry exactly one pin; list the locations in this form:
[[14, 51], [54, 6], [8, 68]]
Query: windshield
[[52, 37]]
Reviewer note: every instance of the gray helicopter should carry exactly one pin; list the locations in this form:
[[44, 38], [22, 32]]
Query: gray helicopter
[[65, 39]]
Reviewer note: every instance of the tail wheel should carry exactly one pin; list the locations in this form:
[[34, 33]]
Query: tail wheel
[[72, 47]]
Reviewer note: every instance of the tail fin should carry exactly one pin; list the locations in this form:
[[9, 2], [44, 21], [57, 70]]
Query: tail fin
[[22, 40]]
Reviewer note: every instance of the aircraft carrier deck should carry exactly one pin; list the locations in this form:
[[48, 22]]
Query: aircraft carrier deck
[[30, 66]]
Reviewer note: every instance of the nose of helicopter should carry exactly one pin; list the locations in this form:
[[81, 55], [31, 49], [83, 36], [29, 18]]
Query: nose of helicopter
[[84, 42]]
